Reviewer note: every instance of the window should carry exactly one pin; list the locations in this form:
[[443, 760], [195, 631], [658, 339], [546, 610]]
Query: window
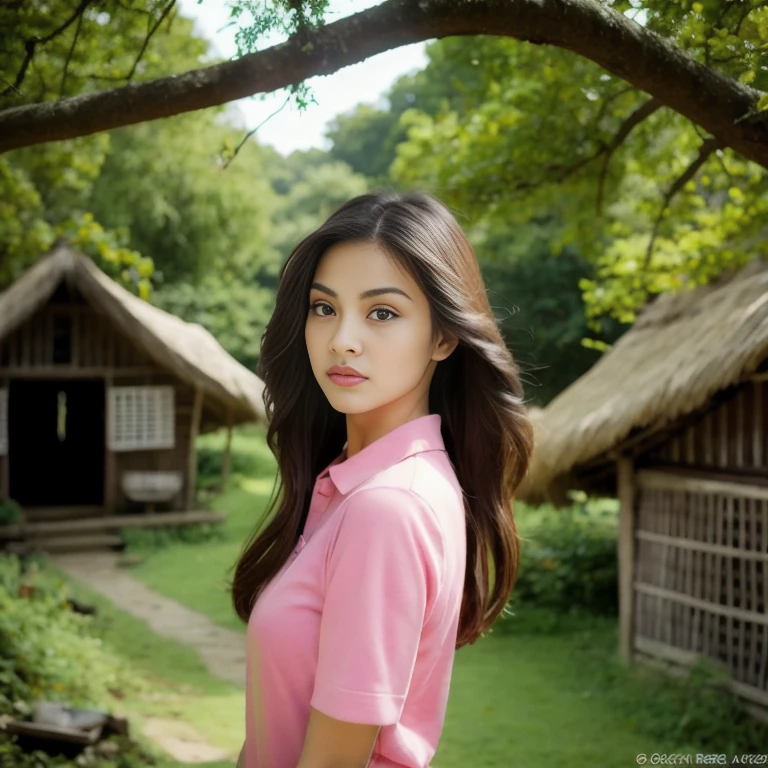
[[3, 422], [141, 418]]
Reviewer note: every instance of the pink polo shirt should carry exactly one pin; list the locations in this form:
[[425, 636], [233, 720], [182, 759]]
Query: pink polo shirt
[[361, 621]]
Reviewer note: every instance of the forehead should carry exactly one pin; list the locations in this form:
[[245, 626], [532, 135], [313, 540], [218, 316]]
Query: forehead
[[360, 265]]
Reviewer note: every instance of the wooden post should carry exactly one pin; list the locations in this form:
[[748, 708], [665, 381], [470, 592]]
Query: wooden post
[[5, 480], [227, 461], [626, 553], [110, 460], [194, 428]]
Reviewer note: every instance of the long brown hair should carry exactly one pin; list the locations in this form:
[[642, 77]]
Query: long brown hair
[[476, 390]]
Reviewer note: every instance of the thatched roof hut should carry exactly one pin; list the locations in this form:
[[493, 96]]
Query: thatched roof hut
[[187, 349], [674, 421], [682, 350], [102, 397]]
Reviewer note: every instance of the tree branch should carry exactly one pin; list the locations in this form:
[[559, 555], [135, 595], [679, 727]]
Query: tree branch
[[69, 54], [705, 150], [150, 33], [721, 105], [33, 42], [644, 110]]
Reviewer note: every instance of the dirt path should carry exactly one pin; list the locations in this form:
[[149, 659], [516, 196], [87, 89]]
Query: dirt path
[[222, 650]]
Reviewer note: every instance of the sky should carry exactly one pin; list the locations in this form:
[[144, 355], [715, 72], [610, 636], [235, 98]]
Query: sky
[[340, 92]]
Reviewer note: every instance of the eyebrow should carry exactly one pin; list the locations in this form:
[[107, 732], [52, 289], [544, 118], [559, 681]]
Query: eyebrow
[[365, 294]]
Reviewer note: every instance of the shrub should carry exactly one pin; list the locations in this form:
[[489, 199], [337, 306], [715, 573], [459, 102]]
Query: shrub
[[47, 649], [150, 539], [10, 512], [695, 710], [210, 461], [568, 556]]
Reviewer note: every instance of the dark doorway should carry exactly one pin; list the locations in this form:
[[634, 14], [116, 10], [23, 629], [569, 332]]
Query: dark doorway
[[56, 442]]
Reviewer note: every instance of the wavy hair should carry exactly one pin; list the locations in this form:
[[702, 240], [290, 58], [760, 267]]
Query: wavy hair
[[477, 391]]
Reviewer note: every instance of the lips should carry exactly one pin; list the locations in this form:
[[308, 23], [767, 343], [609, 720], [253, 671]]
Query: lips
[[345, 370]]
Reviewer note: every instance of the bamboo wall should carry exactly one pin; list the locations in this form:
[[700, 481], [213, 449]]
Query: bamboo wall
[[699, 512], [68, 339]]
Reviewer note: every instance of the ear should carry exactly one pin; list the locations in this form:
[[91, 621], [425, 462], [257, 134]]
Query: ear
[[444, 346]]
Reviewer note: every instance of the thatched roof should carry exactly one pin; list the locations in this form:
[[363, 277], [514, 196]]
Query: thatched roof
[[186, 349], [681, 350]]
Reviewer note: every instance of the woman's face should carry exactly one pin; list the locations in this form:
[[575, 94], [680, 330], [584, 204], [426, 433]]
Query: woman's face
[[386, 338]]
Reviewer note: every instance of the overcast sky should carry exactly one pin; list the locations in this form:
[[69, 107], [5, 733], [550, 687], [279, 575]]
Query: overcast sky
[[336, 93]]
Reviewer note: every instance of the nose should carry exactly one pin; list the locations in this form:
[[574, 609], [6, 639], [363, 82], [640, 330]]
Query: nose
[[346, 338]]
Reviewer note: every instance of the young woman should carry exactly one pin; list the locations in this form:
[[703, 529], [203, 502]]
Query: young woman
[[397, 419]]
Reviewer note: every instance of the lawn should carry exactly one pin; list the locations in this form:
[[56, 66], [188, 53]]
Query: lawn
[[519, 697]]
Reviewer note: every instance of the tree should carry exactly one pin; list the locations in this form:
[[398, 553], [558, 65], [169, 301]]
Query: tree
[[728, 108], [46, 192], [697, 146]]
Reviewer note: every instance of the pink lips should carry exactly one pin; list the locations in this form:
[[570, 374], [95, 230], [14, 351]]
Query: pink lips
[[346, 381]]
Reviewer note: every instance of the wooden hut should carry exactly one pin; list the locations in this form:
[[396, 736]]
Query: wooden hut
[[101, 398], [673, 420]]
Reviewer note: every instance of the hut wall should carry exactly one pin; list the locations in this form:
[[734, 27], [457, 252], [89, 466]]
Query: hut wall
[[701, 543], [4, 466], [730, 438], [170, 459], [66, 339]]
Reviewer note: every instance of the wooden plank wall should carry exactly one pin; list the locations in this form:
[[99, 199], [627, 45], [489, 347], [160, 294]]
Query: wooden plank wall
[[732, 437], [30, 350]]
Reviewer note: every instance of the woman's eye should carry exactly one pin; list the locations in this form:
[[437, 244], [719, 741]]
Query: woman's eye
[[315, 306], [321, 305]]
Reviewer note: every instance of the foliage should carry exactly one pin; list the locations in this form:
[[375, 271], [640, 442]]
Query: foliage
[[695, 709], [568, 557], [151, 539], [165, 185], [46, 647], [44, 190], [210, 461], [113, 752], [10, 512], [311, 186], [538, 307], [616, 203], [259, 22]]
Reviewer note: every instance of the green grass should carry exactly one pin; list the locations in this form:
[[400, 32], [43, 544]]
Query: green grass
[[520, 700]]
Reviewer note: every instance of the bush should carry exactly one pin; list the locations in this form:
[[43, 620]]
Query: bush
[[10, 512], [696, 709], [151, 539], [568, 556], [210, 461], [46, 649]]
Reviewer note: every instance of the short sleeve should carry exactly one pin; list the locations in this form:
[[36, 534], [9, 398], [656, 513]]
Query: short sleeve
[[382, 579]]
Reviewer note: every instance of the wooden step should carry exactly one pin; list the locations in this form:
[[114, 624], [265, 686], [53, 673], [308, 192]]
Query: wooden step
[[73, 543], [102, 523]]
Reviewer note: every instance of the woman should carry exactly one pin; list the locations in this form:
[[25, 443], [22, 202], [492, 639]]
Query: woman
[[397, 419]]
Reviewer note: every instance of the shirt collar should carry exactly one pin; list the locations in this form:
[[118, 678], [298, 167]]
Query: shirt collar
[[415, 436]]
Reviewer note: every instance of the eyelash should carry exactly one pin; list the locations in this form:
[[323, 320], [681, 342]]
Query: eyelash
[[375, 309]]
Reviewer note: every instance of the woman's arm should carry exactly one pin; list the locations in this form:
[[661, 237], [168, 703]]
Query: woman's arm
[[331, 743]]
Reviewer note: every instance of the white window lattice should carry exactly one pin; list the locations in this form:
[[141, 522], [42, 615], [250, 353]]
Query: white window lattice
[[141, 418], [3, 422]]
